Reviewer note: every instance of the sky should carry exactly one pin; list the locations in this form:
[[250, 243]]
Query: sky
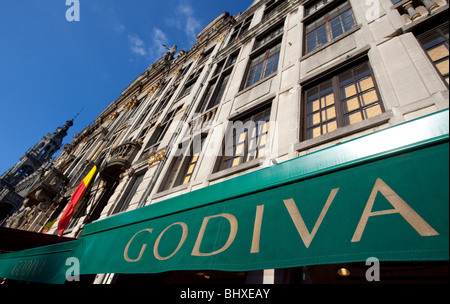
[[52, 68]]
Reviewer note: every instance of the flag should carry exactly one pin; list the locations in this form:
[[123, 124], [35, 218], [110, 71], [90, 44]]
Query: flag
[[74, 200]]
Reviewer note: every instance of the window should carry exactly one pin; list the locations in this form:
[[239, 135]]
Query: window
[[218, 83], [161, 130], [246, 139], [314, 7], [182, 167], [132, 108], [205, 56], [272, 7], [164, 101], [241, 29], [125, 203], [182, 72], [265, 61], [435, 43], [329, 26], [344, 99], [190, 83], [142, 117]]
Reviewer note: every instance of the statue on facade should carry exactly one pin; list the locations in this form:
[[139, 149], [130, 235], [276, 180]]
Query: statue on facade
[[171, 52]]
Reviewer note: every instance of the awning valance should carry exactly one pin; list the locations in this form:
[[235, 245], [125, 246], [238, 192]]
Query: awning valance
[[44, 264]]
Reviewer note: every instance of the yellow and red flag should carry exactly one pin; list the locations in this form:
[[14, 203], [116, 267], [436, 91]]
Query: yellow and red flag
[[74, 201]]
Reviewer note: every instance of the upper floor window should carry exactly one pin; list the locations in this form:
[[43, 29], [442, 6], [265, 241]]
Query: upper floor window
[[190, 82], [164, 101], [218, 83], [341, 100], [329, 26], [142, 117], [160, 130], [205, 56], [271, 7], [183, 164], [436, 45], [264, 61], [315, 6], [246, 139], [132, 189], [241, 29]]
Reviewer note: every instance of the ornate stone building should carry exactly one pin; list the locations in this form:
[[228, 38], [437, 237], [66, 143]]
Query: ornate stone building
[[17, 181], [262, 97]]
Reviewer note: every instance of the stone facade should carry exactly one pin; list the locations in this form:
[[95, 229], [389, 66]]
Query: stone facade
[[23, 177], [310, 86]]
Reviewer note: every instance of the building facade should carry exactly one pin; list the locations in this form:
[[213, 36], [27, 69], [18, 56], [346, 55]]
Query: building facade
[[280, 82], [16, 183]]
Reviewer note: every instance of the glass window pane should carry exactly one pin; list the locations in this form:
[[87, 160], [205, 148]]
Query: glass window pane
[[312, 94], [236, 162], [328, 100], [443, 67], [186, 180], [351, 104], [329, 127], [362, 72], [328, 114], [337, 32], [345, 79], [348, 91], [372, 111], [353, 118], [348, 23], [313, 106], [369, 97], [261, 152], [438, 52], [431, 40], [313, 133], [272, 65], [346, 14], [365, 84], [313, 119]]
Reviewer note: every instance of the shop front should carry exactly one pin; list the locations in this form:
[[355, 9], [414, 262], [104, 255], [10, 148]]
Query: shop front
[[381, 197]]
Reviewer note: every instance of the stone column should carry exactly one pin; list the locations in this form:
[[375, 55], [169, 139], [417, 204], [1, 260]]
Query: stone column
[[430, 5], [409, 8]]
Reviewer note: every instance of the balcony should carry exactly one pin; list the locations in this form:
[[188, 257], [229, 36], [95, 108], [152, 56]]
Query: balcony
[[121, 158], [413, 10], [203, 121]]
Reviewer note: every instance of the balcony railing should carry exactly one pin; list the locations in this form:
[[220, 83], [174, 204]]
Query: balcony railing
[[203, 121], [124, 154], [413, 10]]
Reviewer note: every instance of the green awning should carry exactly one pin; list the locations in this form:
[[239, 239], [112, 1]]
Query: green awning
[[383, 195], [44, 264]]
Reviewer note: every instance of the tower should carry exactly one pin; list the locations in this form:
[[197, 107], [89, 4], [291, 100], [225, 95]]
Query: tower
[[36, 157]]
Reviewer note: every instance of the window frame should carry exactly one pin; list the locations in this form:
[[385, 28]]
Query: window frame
[[178, 170], [323, 17], [436, 31], [263, 110], [241, 29], [213, 94], [263, 46], [333, 78], [272, 7], [131, 191], [160, 130]]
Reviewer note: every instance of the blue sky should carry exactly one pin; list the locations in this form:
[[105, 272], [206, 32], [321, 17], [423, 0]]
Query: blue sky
[[50, 68]]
